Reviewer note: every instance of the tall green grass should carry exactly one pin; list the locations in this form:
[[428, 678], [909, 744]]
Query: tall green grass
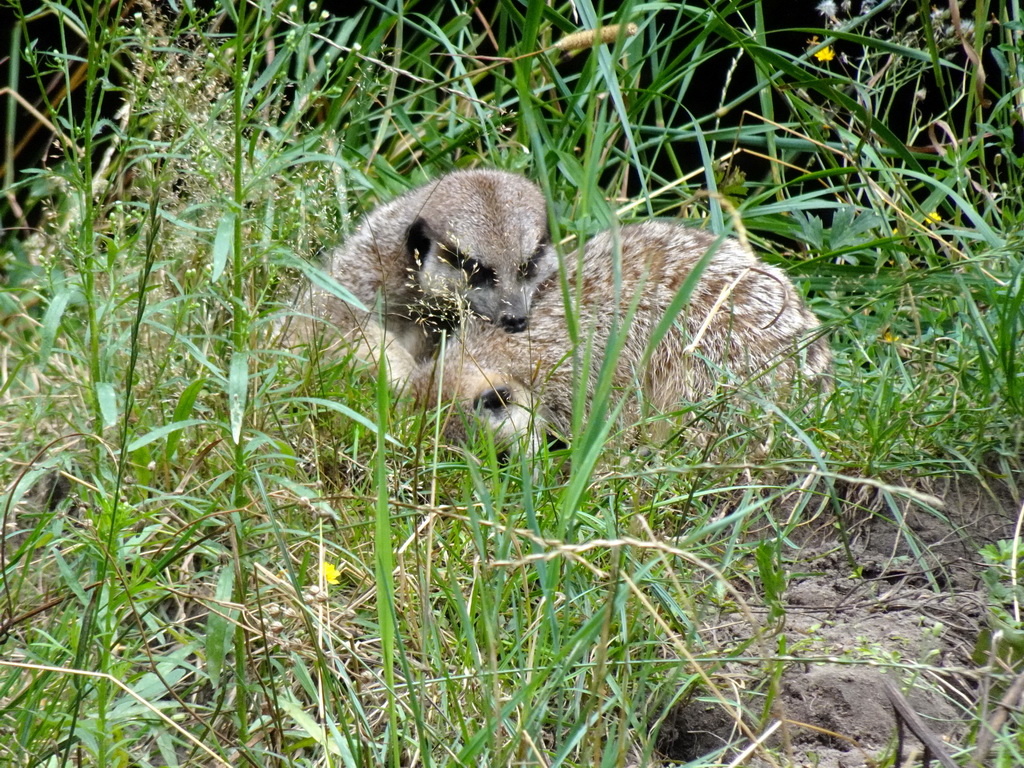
[[178, 609]]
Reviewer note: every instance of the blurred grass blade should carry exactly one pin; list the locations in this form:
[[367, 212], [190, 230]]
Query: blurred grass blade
[[51, 321], [106, 397], [181, 413], [219, 627], [238, 385], [223, 244], [170, 431]]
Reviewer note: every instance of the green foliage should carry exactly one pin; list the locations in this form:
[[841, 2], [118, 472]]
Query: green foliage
[[175, 608]]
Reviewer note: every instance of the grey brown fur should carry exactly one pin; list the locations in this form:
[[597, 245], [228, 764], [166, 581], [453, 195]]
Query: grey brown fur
[[742, 316], [473, 242]]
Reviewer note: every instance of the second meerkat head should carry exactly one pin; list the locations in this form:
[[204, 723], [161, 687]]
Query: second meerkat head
[[480, 240], [499, 404]]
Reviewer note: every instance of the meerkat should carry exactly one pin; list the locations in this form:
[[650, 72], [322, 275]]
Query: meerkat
[[742, 318], [472, 243]]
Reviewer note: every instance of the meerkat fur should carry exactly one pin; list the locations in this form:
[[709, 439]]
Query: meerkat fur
[[742, 318], [471, 243]]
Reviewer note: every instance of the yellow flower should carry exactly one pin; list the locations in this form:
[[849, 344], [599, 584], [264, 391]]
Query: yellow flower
[[932, 218], [330, 573], [826, 54]]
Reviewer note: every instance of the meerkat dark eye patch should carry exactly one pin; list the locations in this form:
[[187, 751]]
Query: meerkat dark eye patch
[[478, 274], [418, 240], [451, 256], [528, 270], [494, 400]]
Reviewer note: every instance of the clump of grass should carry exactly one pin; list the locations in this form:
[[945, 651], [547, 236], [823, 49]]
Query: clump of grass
[[261, 558]]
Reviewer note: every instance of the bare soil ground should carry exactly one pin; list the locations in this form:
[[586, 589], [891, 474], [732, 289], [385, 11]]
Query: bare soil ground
[[914, 611]]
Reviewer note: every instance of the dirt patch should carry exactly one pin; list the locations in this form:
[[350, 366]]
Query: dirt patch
[[909, 608]]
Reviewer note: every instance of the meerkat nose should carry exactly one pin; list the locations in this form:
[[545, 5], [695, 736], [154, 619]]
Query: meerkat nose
[[496, 399], [513, 323]]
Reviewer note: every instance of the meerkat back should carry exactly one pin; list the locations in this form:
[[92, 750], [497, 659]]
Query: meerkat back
[[741, 317]]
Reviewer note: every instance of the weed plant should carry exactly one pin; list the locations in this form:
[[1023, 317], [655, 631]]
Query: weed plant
[[218, 551]]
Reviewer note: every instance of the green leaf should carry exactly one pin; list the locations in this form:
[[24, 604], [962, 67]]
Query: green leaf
[[344, 410], [142, 459], [107, 399], [69, 577], [182, 412], [51, 322], [238, 382], [326, 282], [156, 434], [218, 626], [773, 578], [307, 723], [223, 244]]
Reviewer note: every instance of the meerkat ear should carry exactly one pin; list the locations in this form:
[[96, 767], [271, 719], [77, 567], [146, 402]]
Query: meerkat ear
[[418, 240]]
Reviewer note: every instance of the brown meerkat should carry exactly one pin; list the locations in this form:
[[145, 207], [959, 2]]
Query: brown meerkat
[[742, 318], [471, 243]]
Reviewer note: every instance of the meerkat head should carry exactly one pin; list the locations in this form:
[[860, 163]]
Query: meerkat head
[[480, 400], [480, 242], [505, 409]]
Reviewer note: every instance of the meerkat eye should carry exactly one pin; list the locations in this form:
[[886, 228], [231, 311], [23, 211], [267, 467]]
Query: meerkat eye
[[528, 270], [450, 256], [494, 400], [478, 274]]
